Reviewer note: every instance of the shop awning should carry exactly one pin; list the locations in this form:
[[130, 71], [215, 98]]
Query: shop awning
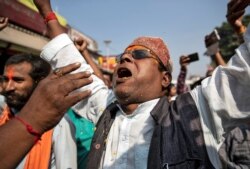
[[23, 37]]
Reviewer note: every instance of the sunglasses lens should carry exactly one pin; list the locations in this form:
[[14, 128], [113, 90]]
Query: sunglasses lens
[[136, 54], [140, 54]]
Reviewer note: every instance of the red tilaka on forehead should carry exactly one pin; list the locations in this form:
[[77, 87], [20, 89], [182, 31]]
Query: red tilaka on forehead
[[10, 72]]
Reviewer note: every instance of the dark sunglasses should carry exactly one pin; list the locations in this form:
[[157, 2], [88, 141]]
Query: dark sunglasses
[[141, 54]]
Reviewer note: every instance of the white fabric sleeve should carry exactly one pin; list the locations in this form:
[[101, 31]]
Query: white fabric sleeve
[[61, 51], [223, 99], [227, 91], [64, 145]]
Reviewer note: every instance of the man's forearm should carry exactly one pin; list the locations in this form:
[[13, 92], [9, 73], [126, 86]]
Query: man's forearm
[[181, 81], [15, 143], [219, 60], [53, 26], [93, 65]]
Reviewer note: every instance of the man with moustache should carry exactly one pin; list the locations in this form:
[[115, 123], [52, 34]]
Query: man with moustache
[[22, 73], [137, 127]]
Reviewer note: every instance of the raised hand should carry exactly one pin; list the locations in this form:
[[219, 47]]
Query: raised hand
[[53, 26], [44, 6], [80, 44], [53, 96], [235, 12], [184, 61]]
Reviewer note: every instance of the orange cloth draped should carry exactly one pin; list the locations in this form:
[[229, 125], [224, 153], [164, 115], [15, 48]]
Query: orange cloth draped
[[39, 155], [5, 115]]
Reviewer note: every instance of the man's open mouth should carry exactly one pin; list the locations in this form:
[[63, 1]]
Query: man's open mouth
[[124, 73]]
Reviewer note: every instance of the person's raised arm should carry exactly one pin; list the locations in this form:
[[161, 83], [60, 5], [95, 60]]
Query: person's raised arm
[[181, 88], [216, 56], [53, 26], [61, 51], [235, 12], [81, 45], [218, 59], [45, 108]]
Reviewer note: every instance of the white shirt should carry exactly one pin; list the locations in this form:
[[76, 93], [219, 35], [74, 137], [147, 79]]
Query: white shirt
[[129, 139], [64, 151], [222, 102]]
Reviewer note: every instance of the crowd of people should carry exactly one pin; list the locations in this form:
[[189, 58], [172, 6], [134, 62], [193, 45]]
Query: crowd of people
[[58, 111]]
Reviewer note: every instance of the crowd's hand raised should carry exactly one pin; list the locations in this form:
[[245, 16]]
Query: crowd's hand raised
[[53, 96], [80, 44], [184, 61], [235, 12], [43, 6]]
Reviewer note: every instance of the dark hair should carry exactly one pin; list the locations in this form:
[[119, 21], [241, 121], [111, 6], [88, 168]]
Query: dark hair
[[40, 68]]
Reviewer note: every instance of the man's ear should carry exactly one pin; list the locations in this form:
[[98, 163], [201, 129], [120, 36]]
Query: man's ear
[[166, 80]]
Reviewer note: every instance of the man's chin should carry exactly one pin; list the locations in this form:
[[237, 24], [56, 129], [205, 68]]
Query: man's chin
[[122, 94], [15, 105]]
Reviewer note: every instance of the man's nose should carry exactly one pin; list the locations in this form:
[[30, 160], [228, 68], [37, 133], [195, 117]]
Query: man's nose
[[126, 58], [9, 85]]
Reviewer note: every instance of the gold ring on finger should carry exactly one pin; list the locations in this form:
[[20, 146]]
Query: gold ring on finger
[[58, 72]]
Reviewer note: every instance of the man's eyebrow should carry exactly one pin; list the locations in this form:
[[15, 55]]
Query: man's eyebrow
[[12, 77], [17, 77]]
